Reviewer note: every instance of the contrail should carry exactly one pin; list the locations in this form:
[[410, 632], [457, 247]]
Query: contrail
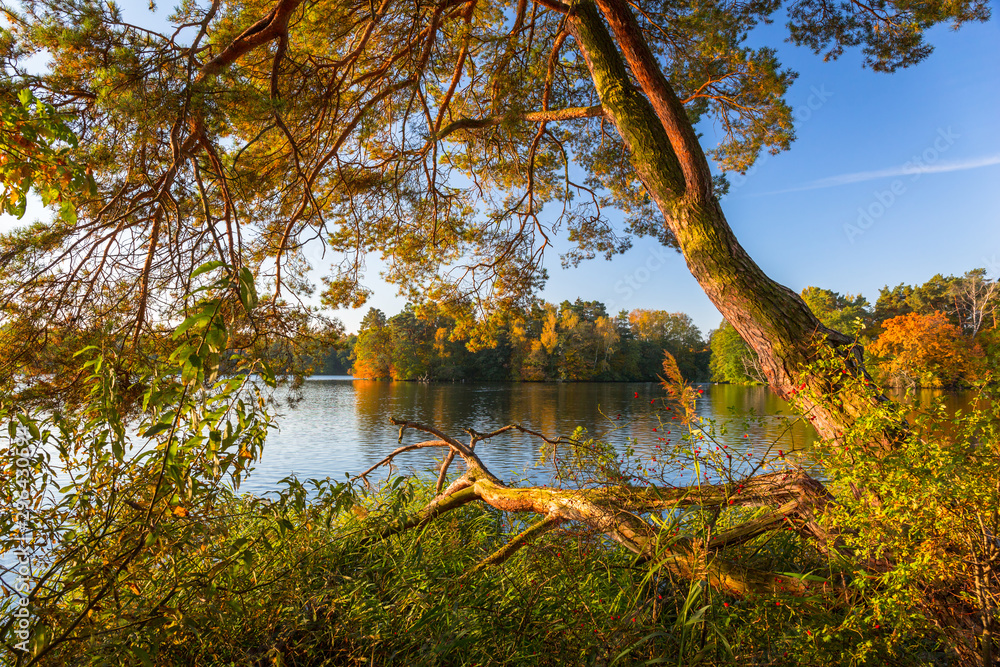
[[906, 170]]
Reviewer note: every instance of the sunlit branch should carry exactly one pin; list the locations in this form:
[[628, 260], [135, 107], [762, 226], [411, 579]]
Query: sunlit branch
[[472, 124]]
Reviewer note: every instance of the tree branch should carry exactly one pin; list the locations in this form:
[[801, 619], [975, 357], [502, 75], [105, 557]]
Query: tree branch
[[616, 512], [471, 124], [521, 539]]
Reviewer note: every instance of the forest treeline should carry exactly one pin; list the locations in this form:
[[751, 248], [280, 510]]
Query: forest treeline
[[942, 333], [576, 341]]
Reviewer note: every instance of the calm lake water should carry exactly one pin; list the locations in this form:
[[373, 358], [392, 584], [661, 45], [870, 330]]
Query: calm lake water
[[341, 425]]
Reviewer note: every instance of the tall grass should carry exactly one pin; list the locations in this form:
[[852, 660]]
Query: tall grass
[[317, 593]]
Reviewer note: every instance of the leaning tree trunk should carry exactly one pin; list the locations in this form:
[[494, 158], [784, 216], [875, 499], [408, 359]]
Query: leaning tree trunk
[[664, 150]]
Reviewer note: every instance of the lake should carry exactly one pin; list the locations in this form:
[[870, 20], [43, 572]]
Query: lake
[[341, 425]]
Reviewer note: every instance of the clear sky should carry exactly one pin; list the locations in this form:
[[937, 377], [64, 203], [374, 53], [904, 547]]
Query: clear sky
[[893, 178]]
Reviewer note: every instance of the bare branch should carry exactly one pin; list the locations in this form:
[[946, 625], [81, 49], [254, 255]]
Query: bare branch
[[471, 124], [396, 452]]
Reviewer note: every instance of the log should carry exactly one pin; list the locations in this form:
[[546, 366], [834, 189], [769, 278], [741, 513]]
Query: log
[[617, 511]]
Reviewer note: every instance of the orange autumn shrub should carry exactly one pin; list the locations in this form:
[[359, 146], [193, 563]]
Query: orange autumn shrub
[[926, 351]]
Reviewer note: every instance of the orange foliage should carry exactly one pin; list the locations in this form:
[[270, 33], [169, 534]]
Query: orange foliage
[[925, 350]]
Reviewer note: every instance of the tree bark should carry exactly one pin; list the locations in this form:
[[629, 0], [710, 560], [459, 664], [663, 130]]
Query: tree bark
[[773, 320]]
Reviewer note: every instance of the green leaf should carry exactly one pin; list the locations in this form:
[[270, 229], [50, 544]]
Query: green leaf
[[205, 268], [68, 212], [192, 366], [86, 349], [172, 452], [183, 352], [156, 429], [143, 656], [216, 339], [189, 322], [248, 289], [21, 205]]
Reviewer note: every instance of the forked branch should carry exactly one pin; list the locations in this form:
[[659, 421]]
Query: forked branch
[[621, 512]]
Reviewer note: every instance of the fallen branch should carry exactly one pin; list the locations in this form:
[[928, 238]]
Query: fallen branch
[[616, 511]]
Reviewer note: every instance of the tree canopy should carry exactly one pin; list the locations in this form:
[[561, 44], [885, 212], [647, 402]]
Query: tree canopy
[[454, 139], [572, 341]]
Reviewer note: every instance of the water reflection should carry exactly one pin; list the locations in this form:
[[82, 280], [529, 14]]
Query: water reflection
[[342, 425]]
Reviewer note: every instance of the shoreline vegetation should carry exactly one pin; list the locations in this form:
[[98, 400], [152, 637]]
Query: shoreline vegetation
[[941, 334]]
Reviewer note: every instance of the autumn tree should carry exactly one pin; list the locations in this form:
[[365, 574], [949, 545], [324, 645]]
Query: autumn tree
[[411, 346], [926, 351], [969, 301], [658, 330], [372, 355]]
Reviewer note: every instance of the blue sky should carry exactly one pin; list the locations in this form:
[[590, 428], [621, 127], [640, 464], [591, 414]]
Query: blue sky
[[893, 178]]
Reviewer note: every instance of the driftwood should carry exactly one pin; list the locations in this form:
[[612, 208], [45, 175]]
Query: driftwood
[[617, 512]]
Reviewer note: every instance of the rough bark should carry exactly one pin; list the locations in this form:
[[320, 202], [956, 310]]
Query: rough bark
[[665, 153]]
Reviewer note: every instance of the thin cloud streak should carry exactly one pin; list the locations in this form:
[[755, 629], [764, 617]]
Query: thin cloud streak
[[905, 170]]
